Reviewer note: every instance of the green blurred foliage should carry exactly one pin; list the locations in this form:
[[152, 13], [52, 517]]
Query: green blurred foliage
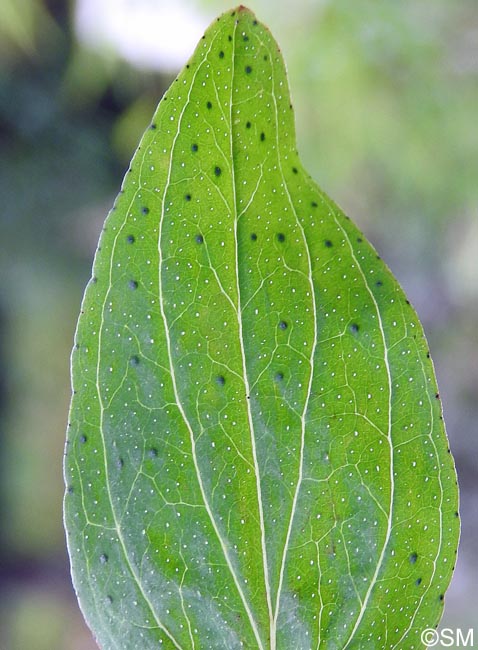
[[385, 94]]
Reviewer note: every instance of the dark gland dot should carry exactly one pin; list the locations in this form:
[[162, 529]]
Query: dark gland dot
[[188, 197], [109, 599], [152, 126], [281, 236], [379, 283], [360, 240], [194, 147], [130, 239], [418, 581], [217, 171], [83, 439], [253, 236], [263, 136], [248, 125], [134, 361], [220, 380], [283, 325], [145, 210], [245, 38], [441, 597], [153, 452], [328, 243], [103, 558], [413, 558], [133, 284], [221, 54], [294, 169], [209, 105], [199, 239], [354, 328], [279, 376], [119, 463], [314, 204], [248, 69], [265, 57]]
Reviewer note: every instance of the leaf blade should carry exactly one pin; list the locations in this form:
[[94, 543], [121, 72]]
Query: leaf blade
[[234, 316]]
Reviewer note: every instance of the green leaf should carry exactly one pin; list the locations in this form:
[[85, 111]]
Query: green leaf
[[256, 454]]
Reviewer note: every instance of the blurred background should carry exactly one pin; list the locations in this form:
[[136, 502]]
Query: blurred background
[[386, 99]]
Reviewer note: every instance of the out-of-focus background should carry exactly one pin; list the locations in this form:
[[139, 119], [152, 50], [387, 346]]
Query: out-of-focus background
[[386, 98]]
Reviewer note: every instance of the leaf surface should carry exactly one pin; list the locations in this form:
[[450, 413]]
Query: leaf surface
[[256, 455]]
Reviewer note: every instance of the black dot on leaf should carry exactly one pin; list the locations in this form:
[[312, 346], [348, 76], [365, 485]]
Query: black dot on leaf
[[253, 236], [360, 240], [187, 197], [130, 239], [134, 361], [379, 283], [120, 463], [283, 325], [413, 558], [109, 599], [295, 170], [83, 439], [145, 210], [314, 204], [437, 395], [263, 136], [328, 243], [152, 126], [354, 328], [248, 125], [133, 284], [279, 376], [220, 380], [103, 558], [245, 38], [221, 54], [217, 171], [153, 452], [441, 597], [70, 489], [248, 69], [209, 105], [418, 581], [194, 147], [199, 239], [280, 236]]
